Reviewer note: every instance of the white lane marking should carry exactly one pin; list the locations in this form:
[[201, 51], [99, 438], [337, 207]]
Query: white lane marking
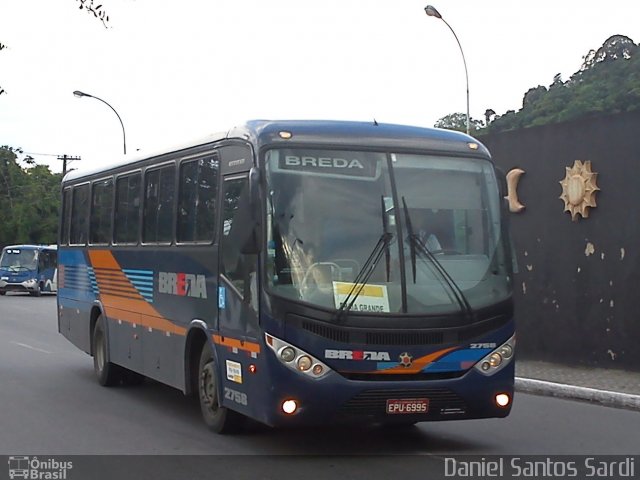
[[30, 347]]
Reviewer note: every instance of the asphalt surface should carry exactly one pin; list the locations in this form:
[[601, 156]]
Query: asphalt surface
[[52, 405]]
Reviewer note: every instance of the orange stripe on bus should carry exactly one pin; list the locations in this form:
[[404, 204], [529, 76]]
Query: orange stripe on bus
[[131, 309], [145, 321], [235, 343], [103, 259]]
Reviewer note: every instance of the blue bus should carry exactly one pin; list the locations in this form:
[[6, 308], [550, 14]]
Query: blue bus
[[29, 268], [298, 273]]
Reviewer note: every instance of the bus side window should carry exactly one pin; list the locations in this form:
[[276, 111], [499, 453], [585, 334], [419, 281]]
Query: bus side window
[[197, 199], [79, 214], [238, 267], [100, 216], [127, 225], [158, 205], [66, 217], [42, 261]]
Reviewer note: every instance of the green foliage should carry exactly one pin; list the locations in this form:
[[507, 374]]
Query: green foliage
[[607, 82], [29, 201], [458, 121]]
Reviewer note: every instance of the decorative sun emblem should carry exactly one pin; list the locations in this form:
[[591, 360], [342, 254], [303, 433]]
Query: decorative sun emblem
[[405, 359], [579, 189]]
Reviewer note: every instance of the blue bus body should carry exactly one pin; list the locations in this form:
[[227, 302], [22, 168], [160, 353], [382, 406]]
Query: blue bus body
[[277, 272], [29, 268]]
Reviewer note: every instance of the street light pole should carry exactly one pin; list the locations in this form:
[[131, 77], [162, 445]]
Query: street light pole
[[431, 11], [80, 94]]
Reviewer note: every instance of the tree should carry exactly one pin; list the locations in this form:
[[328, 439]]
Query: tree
[[29, 201], [614, 48], [533, 96], [96, 11], [458, 121], [489, 114], [607, 82]]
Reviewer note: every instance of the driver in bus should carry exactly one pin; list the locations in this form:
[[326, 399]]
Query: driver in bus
[[427, 236]]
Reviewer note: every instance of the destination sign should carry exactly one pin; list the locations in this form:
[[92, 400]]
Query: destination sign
[[365, 165]]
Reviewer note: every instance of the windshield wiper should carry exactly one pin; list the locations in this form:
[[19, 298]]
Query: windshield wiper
[[416, 241], [364, 274]]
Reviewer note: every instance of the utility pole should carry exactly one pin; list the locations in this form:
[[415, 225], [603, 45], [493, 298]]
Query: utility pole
[[65, 159]]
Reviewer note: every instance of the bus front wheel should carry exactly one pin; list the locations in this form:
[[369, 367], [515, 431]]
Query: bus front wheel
[[37, 291], [218, 418], [107, 373]]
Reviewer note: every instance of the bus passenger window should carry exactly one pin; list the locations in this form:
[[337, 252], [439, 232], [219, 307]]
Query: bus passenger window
[[197, 200], [127, 223], [158, 205], [66, 217], [79, 213], [100, 216]]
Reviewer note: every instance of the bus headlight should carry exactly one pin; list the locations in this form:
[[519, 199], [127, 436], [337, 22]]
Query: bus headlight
[[498, 358], [287, 354], [495, 359], [304, 363], [295, 358], [506, 351]]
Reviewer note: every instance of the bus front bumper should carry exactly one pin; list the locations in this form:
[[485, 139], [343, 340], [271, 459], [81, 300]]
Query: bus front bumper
[[29, 285], [338, 400]]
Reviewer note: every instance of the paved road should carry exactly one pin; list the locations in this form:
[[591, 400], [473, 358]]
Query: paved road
[[51, 405]]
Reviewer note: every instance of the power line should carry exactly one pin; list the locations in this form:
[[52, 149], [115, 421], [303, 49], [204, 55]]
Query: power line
[[42, 154]]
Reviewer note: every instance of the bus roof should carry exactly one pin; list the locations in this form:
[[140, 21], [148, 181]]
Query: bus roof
[[321, 132], [33, 247]]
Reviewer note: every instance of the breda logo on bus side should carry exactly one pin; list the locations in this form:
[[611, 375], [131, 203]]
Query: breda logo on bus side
[[357, 355], [182, 284]]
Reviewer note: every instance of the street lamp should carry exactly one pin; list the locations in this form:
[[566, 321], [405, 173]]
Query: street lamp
[[431, 11], [80, 94]]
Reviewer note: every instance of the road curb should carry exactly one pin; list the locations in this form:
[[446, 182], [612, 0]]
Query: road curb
[[560, 390]]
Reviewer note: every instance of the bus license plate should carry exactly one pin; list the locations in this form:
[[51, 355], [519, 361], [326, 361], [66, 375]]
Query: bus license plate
[[407, 406]]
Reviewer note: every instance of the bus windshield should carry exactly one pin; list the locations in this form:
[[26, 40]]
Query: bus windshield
[[336, 217], [19, 259]]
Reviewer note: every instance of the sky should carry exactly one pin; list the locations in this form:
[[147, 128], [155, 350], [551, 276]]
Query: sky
[[180, 70]]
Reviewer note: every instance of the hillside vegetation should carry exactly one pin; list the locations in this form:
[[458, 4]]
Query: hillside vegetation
[[608, 82], [30, 198]]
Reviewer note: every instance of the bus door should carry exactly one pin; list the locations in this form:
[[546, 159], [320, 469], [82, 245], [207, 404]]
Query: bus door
[[238, 282], [238, 330], [47, 270]]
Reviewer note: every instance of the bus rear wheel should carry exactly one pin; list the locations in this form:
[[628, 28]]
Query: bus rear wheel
[[107, 373], [218, 418]]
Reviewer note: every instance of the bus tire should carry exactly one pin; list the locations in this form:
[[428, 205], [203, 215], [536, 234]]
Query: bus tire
[[37, 292], [107, 373], [3, 292], [218, 418]]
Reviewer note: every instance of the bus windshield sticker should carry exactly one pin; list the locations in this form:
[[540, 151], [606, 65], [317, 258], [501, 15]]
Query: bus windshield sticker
[[372, 298]]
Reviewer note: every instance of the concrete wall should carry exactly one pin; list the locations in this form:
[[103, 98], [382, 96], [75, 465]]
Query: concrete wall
[[577, 292]]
